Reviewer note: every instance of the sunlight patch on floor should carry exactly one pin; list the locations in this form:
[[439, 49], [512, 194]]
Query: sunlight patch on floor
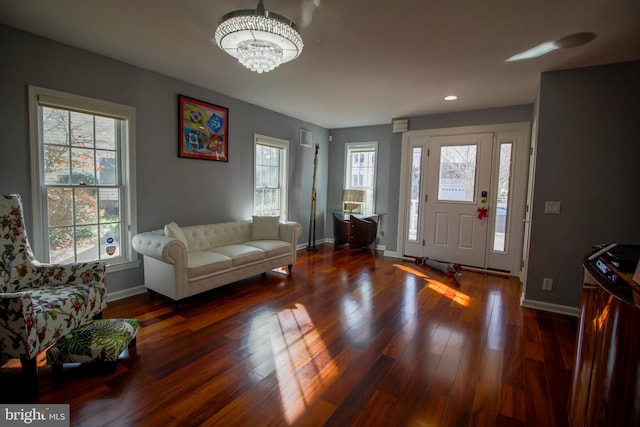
[[452, 294], [303, 364], [447, 291]]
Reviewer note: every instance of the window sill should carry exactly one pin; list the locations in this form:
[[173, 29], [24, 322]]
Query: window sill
[[124, 265]]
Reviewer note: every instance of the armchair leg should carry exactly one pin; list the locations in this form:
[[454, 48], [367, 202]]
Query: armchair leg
[[97, 316], [30, 372], [290, 266]]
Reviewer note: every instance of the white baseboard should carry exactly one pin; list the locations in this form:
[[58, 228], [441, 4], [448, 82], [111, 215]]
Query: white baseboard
[[393, 254], [554, 308], [332, 241], [125, 293], [318, 242]]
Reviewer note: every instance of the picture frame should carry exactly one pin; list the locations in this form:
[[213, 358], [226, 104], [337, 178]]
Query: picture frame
[[306, 138], [203, 130]]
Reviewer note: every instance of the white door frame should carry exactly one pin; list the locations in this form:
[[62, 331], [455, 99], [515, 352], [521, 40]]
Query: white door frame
[[520, 133], [527, 216]]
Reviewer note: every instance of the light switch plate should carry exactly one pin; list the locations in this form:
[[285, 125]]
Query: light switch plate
[[552, 207]]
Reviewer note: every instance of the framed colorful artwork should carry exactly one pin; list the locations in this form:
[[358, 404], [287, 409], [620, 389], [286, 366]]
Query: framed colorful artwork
[[203, 132]]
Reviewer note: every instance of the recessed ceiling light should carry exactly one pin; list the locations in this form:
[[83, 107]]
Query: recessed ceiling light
[[450, 98]]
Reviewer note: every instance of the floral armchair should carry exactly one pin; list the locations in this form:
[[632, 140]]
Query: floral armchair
[[40, 303]]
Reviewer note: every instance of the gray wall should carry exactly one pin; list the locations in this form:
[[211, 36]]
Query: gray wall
[[339, 137], [169, 188], [588, 159]]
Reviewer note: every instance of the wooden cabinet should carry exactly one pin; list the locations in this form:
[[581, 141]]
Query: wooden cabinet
[[585, 352], [356, 232], [605, 386]]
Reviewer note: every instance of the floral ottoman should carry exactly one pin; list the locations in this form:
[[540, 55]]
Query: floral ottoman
[[97, 341]]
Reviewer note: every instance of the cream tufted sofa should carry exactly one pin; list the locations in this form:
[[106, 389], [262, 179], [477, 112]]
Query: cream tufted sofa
[[183, 261]]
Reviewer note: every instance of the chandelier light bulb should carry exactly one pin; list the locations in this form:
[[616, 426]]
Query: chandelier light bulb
[[259, 55]]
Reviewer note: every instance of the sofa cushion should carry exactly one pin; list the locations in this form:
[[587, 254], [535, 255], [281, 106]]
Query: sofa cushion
[[240, 254], [173, 230], [265, 227], [272, 248], [204, 262]]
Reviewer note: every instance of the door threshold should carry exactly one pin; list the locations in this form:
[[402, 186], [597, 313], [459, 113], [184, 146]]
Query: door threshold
[[495, 272]]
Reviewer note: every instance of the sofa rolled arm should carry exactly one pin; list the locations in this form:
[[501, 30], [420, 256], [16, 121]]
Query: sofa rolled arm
[[290, 231], [18, 336], [162, 248]]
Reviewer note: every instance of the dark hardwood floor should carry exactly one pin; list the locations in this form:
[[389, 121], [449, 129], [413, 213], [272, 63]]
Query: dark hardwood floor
[[349, 339]]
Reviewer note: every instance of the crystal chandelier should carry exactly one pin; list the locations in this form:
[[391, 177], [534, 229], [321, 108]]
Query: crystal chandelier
[[260, 39]]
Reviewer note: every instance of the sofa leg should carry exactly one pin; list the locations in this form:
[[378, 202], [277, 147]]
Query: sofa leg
[[290, 267], [30, 372], [263, 275], [152, 294], [97, 316]]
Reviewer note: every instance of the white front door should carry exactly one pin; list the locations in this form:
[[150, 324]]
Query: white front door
[[458, 184], [448, 175]]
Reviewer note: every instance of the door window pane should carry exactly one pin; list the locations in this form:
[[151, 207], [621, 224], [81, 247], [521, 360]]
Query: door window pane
[[414, 208], [502, 200], [457, 179]]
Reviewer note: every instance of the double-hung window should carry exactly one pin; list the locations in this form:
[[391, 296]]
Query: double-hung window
[[82, 156], [360, 171], [270, 196]]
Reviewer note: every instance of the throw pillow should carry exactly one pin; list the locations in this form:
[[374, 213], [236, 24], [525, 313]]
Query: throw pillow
[[265, 228], [173, 230]]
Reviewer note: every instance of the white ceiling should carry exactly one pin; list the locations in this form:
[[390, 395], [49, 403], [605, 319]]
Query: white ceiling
[[364, 62]]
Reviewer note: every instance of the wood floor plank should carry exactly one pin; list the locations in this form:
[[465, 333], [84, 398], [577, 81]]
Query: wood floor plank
[[355, 402], [538, 404], [350, 338], [489, 389]]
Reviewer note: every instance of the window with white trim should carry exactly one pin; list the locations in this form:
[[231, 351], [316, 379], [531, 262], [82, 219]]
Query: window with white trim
[[271, 174], [360, 171], [82, 152]]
